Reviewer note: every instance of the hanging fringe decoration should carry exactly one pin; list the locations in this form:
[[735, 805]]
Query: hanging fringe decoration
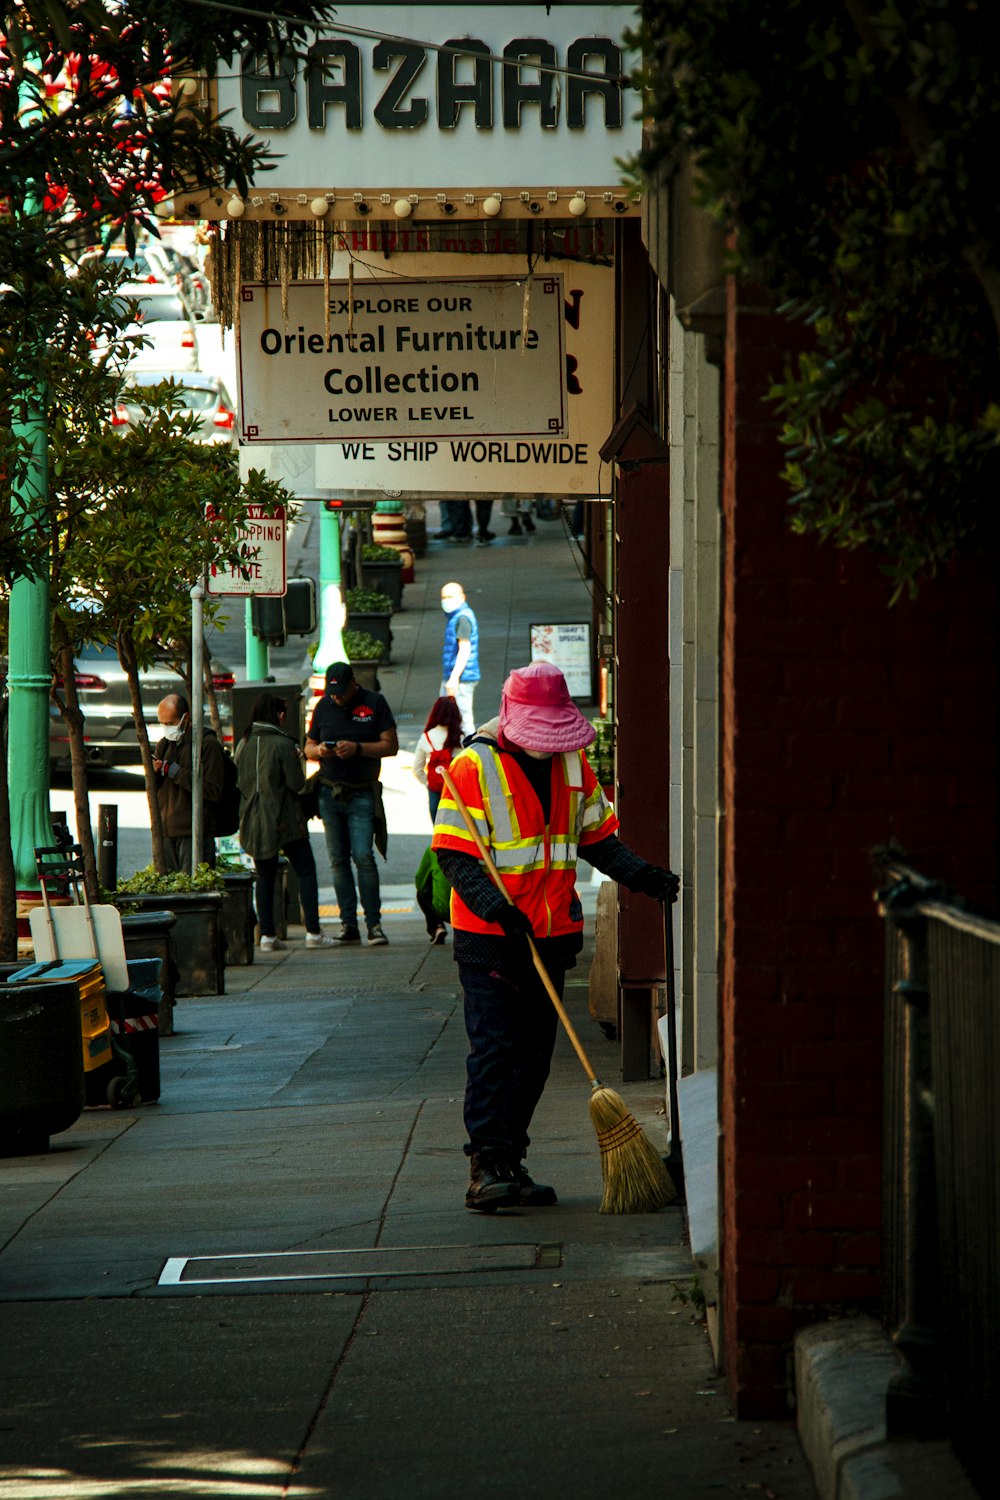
[[326, 287], [284, 250], [525, 314]]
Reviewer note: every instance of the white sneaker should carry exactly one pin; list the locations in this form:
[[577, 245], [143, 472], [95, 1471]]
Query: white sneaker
[[268, 944], [319, 940]]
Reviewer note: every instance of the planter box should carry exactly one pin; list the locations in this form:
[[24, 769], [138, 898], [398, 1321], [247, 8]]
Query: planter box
[[387, 576], [416, 534], [197, 937], [366, 673], [378, 626], [239, 917]]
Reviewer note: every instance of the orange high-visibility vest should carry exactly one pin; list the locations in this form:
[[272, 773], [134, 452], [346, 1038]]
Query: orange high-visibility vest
[[537, 861]]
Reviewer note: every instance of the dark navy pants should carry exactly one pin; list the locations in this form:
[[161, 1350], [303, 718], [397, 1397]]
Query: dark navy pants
[[512, 1030]]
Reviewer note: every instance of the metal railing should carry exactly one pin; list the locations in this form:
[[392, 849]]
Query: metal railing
[[941, 1165]]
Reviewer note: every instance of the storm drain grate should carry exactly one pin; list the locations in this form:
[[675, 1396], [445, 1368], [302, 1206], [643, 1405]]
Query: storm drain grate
[[357, 1265]]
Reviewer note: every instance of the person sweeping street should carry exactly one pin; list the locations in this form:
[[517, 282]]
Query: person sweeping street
[[536, 805]]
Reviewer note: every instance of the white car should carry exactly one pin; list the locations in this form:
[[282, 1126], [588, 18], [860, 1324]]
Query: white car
[[166, 320]]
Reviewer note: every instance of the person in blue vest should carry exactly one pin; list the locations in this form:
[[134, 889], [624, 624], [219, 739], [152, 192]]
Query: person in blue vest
[[460, 659]]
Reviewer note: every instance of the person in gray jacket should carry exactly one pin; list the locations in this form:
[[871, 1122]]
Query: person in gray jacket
[[272, 818]]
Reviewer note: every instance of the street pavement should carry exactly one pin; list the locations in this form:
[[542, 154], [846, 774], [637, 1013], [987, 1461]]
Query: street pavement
[[267, 1284]]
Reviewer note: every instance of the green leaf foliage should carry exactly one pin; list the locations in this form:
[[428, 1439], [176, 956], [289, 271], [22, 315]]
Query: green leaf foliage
[[850, 151]]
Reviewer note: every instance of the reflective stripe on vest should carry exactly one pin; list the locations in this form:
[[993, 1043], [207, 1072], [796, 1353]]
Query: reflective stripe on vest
[[538, 868]]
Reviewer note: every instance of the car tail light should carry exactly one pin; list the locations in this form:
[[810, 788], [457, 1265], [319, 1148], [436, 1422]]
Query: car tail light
[[120, 417], [221, 681], [187, 338], [91, 682], [224, 418]]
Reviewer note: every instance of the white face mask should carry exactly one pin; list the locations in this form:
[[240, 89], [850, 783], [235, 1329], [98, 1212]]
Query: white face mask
[[172, 732], [450, 605]]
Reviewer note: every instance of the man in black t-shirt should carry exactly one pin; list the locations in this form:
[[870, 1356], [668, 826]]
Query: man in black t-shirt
[[351, 731]]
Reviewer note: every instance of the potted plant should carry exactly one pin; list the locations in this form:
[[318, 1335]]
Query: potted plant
[[197, 940], [382, 568], [365, 654], [370, 610], [239, 918]]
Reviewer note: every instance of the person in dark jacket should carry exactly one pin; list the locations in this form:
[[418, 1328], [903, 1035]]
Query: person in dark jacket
[[172, 764], [272, 819]]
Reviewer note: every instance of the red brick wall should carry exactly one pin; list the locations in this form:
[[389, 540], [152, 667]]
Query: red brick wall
[[845, 723]]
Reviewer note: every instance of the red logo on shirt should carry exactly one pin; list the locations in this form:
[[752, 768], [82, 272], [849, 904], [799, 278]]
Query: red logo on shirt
[[363, 712]]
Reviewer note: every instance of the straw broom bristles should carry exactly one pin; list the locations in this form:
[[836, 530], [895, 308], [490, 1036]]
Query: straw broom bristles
[[636, 1180]]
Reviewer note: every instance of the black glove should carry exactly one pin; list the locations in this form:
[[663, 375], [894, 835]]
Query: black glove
[[662, 885], [514, 922]]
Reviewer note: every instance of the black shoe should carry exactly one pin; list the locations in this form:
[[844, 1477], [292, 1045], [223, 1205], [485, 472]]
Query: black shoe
[[529, 524], [492, 1184], [443, 536], [348, 935], [533, 1194], [514, 529], [439, 935]]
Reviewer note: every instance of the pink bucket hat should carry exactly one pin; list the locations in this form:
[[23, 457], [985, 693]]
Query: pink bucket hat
[[537, 712]]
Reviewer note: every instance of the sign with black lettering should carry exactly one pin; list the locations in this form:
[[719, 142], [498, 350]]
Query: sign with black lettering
[[416, 95], [403, 359]]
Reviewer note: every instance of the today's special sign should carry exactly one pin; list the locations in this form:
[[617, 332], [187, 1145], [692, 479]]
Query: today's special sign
[[403, 359]]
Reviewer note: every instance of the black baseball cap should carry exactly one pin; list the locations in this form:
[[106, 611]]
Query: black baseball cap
[[339, 676]]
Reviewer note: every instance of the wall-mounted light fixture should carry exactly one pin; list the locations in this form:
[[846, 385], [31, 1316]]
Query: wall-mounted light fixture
[[402, 208], [577, 205], [236, 208], [492, 205], [319, 207]]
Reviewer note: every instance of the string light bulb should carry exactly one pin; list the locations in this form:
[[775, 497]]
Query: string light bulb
[[319, 206], [492, 205], [402, 208], [577, 205], [165, 208], [235, 208]]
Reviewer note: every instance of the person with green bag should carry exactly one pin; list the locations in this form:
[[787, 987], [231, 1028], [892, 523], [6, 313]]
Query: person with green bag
[[433, 897]]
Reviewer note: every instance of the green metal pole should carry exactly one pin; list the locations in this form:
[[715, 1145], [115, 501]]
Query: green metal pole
[[258, 657], [331, 599], [30, 658]]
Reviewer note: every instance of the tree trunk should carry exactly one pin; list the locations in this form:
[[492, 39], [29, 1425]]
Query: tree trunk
[[210, 697], [126, 655], [72, 715], [8, 884]]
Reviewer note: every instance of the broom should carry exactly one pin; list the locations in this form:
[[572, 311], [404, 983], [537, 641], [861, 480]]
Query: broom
[[636, 1180]]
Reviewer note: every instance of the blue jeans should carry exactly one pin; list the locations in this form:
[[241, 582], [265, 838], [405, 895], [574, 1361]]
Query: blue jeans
[[512, 1031], [433, 802], [350, 832]]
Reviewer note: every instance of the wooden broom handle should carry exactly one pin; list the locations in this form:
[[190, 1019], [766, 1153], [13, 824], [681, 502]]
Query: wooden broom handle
[[536, 958]]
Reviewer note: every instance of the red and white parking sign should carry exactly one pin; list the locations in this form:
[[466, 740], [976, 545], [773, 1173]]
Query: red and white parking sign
[[262, 570]]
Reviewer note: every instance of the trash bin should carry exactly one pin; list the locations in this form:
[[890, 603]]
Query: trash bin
[[41, 1081], [147, 934], [135, 1015]]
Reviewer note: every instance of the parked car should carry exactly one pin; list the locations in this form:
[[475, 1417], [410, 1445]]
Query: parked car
[[166, 321], [205, 395], [109, 730], [148, 263]]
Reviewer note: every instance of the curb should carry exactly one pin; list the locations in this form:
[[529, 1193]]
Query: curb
[[842, 1373]]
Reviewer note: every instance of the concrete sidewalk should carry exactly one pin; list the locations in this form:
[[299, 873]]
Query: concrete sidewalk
[[268, 1285]]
